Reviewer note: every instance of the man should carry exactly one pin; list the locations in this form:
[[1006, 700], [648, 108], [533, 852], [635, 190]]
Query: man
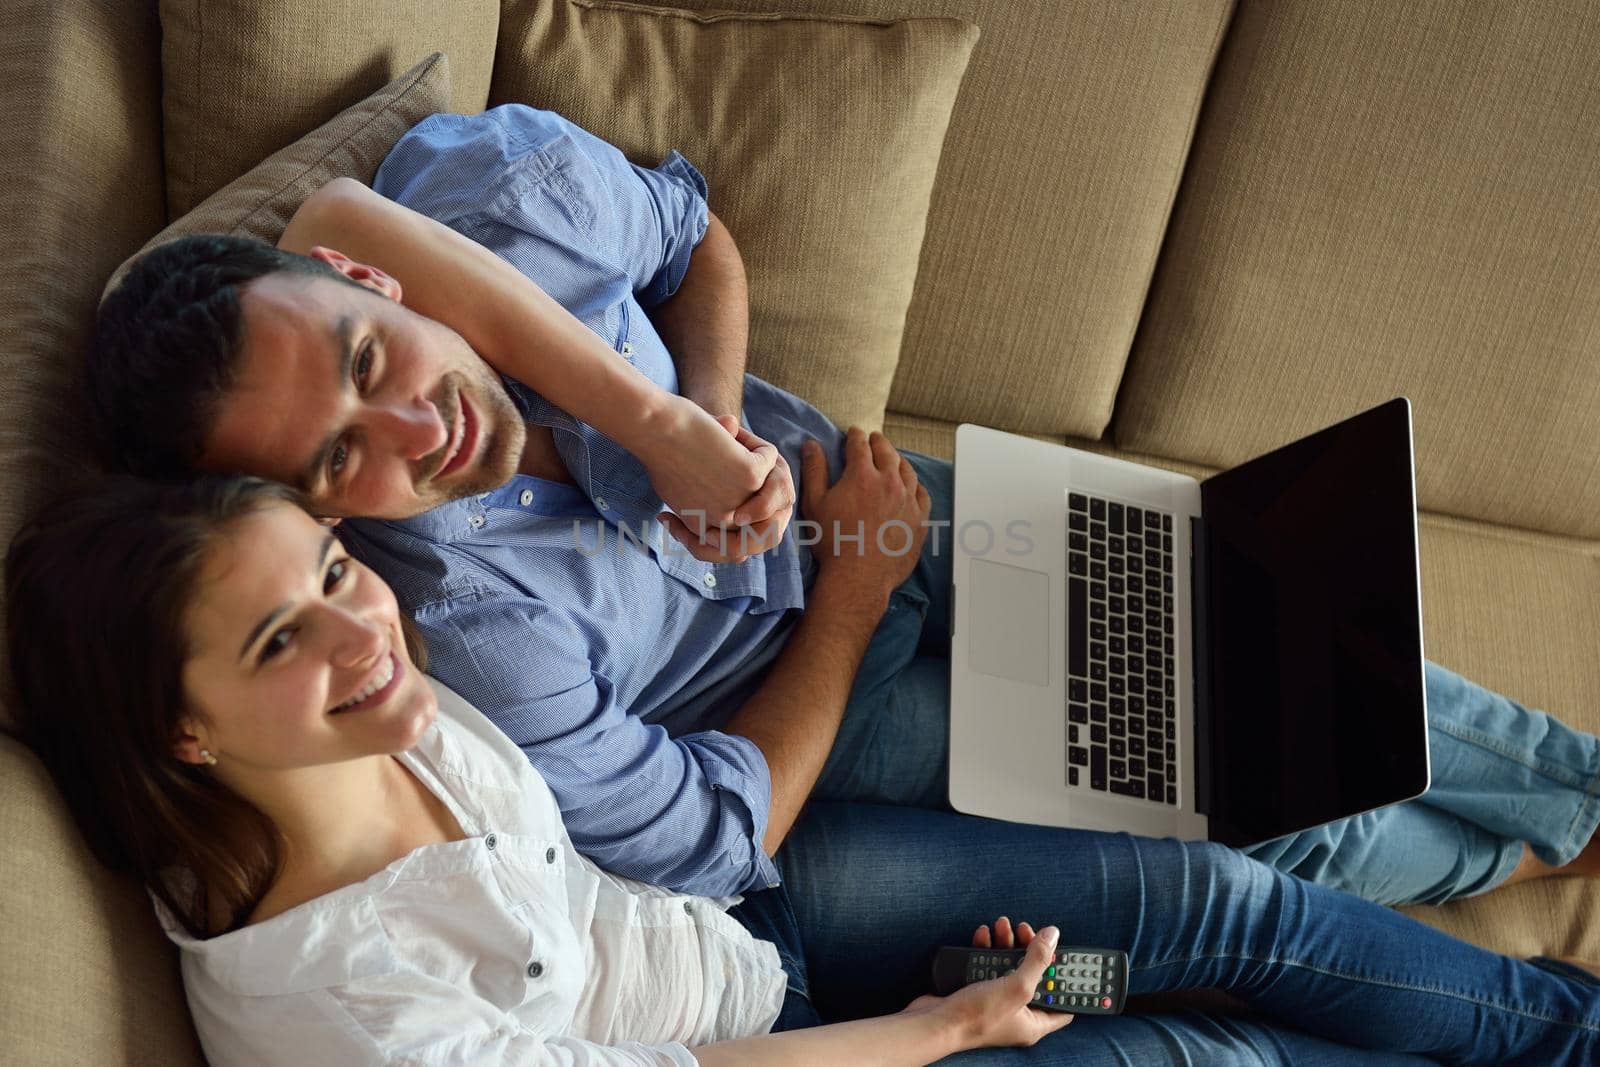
[[683, 698]]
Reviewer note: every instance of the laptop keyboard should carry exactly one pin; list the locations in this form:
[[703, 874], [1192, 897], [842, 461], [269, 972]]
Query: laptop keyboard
[[1121, 733]]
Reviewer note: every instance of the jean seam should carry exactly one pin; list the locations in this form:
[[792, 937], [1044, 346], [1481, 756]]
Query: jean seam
[[1591, 1026], [1565, 776]]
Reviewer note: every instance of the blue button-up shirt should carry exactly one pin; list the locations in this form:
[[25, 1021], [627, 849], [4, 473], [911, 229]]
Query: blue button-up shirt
[[567, 613]]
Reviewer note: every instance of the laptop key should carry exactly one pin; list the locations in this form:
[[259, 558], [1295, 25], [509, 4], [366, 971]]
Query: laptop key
[[1117, 585], [1097, 650], [1072, 735], [1097, 631], [1077, 502], [1097, 550], [1166, 583], [1097, 671], [1135, 768], [1118, 647], [1097, 767], [1157, 784], [1119, 748], [1119, 768], [1117, 625], [1114, 517], [1097, 712], [1097, 509], [1078, 712], [1078, 542], [1119, 728], [1097, 530], [1097, 691], [1117, 664], [1135, 520], [1097, 571], [1115, 563], [1135, 747], [1166, 523], [1097, 734], [1077, 563], [1076, 521], [1077, 689], [1078, 756], [1172, 794], [1129, 789], [1136, 705], [1072, 776]]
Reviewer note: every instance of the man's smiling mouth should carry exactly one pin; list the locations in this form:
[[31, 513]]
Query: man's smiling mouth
[[465, 440]]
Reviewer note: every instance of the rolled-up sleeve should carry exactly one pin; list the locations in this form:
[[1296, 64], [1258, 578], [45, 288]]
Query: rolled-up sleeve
[[556, 182], [687, 813]]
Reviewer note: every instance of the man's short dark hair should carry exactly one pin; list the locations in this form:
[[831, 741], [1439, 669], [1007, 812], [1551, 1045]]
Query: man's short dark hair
[[167, 346]]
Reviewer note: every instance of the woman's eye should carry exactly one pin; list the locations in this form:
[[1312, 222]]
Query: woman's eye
[[276, 643], [335, 575], [363, 366], [336, 459]]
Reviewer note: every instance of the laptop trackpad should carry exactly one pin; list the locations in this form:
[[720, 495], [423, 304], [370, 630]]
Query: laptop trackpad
[[1009, 622]]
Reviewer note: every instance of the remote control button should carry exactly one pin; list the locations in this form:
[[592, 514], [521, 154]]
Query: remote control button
[[1050, 972], [1105, 1002]]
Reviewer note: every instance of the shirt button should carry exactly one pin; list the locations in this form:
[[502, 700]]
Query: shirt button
[[711, 581], [535, 969], [688, 907], [600, 502], [475, 522], [549, 855], [627, 348], [489, 842], [526, 497]]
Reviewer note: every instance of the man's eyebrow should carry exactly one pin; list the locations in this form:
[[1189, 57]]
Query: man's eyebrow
[[344, 335], [277, 613]]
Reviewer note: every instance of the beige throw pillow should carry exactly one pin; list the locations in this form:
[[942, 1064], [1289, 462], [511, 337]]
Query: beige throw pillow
[[242, 78], [352, 144], [819, 138]]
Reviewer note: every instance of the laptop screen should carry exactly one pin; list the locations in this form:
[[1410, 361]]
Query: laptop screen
[[1313, 631]]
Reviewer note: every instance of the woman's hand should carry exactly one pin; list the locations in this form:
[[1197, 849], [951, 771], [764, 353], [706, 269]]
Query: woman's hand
[[997, 1012], [873, 520], [710, 471]]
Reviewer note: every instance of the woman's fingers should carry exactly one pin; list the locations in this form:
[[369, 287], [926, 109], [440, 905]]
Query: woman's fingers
[[1024, 934], [884, 456], [980, 937], [1003, 933]]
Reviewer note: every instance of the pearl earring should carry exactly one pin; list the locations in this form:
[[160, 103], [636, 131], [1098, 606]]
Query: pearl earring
[[208, 757]]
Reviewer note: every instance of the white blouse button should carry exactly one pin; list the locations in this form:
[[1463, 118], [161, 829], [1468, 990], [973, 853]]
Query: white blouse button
[[475, 522], [688, 907], [711, 581], [526, 497], [489, 842], [600, 502], [535, 969], [550, 855]]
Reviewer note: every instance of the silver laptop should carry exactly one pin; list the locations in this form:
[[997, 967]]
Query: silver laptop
[[1231, 659]]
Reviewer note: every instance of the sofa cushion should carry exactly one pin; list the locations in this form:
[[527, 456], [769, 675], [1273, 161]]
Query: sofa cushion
[[819, 139], [242, 78], [352, 144], [1065, 150], [1381, 203], [87, 975]]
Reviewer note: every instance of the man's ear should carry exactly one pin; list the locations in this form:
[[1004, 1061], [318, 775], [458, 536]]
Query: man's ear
[[360, 273]]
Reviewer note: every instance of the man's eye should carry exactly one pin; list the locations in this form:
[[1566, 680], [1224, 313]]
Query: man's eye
[[336, 459], [335, 575], [276, 643], [363, 367]]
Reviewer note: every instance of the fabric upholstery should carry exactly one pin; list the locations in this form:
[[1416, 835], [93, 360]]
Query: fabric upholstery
[[243, 78], [819, 139], [1391, 201], [352, 144], [1064, 154], [87, 975], [80, 187]]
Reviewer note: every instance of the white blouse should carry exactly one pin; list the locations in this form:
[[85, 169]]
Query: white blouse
[[506, 947]]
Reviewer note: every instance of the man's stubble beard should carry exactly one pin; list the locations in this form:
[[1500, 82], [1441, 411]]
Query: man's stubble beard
[[502, 436]]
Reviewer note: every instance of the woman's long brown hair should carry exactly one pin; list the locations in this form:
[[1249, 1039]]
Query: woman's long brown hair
[[97, 587]]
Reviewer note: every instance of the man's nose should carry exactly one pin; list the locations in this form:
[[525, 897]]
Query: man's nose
[[412, 429]]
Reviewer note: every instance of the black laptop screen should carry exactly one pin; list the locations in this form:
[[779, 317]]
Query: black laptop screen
[[1314, 630]]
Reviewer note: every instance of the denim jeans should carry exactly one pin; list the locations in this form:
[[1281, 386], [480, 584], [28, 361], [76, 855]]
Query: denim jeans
[[1502, 774], [869, 890]]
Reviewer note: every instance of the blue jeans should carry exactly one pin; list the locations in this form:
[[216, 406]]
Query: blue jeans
[[1502, 774], [869, 890]]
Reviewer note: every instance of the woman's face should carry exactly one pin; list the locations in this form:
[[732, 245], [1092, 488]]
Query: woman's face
[[298, 658]]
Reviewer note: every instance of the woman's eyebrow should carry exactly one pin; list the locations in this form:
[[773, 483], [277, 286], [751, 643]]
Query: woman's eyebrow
[[277, 612]]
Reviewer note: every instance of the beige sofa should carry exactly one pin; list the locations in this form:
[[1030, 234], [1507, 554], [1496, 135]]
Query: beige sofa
[[1180, 230]]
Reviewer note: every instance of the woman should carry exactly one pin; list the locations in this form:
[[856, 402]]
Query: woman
[[358, 868]]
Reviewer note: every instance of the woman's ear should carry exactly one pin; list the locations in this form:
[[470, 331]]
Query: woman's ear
[[189, 744], [361, 273]]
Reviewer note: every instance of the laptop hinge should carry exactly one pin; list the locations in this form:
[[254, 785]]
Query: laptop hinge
[[1200, 661]]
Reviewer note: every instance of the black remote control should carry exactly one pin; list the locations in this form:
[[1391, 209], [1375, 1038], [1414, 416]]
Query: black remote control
[[1084, 981]]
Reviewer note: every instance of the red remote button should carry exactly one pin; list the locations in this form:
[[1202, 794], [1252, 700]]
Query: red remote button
[[1105, 1002]]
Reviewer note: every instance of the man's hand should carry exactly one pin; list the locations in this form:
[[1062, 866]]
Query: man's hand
[[756, 525], [873, 519]]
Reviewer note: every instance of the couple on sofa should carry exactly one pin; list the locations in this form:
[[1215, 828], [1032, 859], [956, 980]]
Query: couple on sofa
[[359, 867]]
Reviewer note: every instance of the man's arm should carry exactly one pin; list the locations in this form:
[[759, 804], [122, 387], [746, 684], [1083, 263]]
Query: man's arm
[[705, 324], [794, 716]]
